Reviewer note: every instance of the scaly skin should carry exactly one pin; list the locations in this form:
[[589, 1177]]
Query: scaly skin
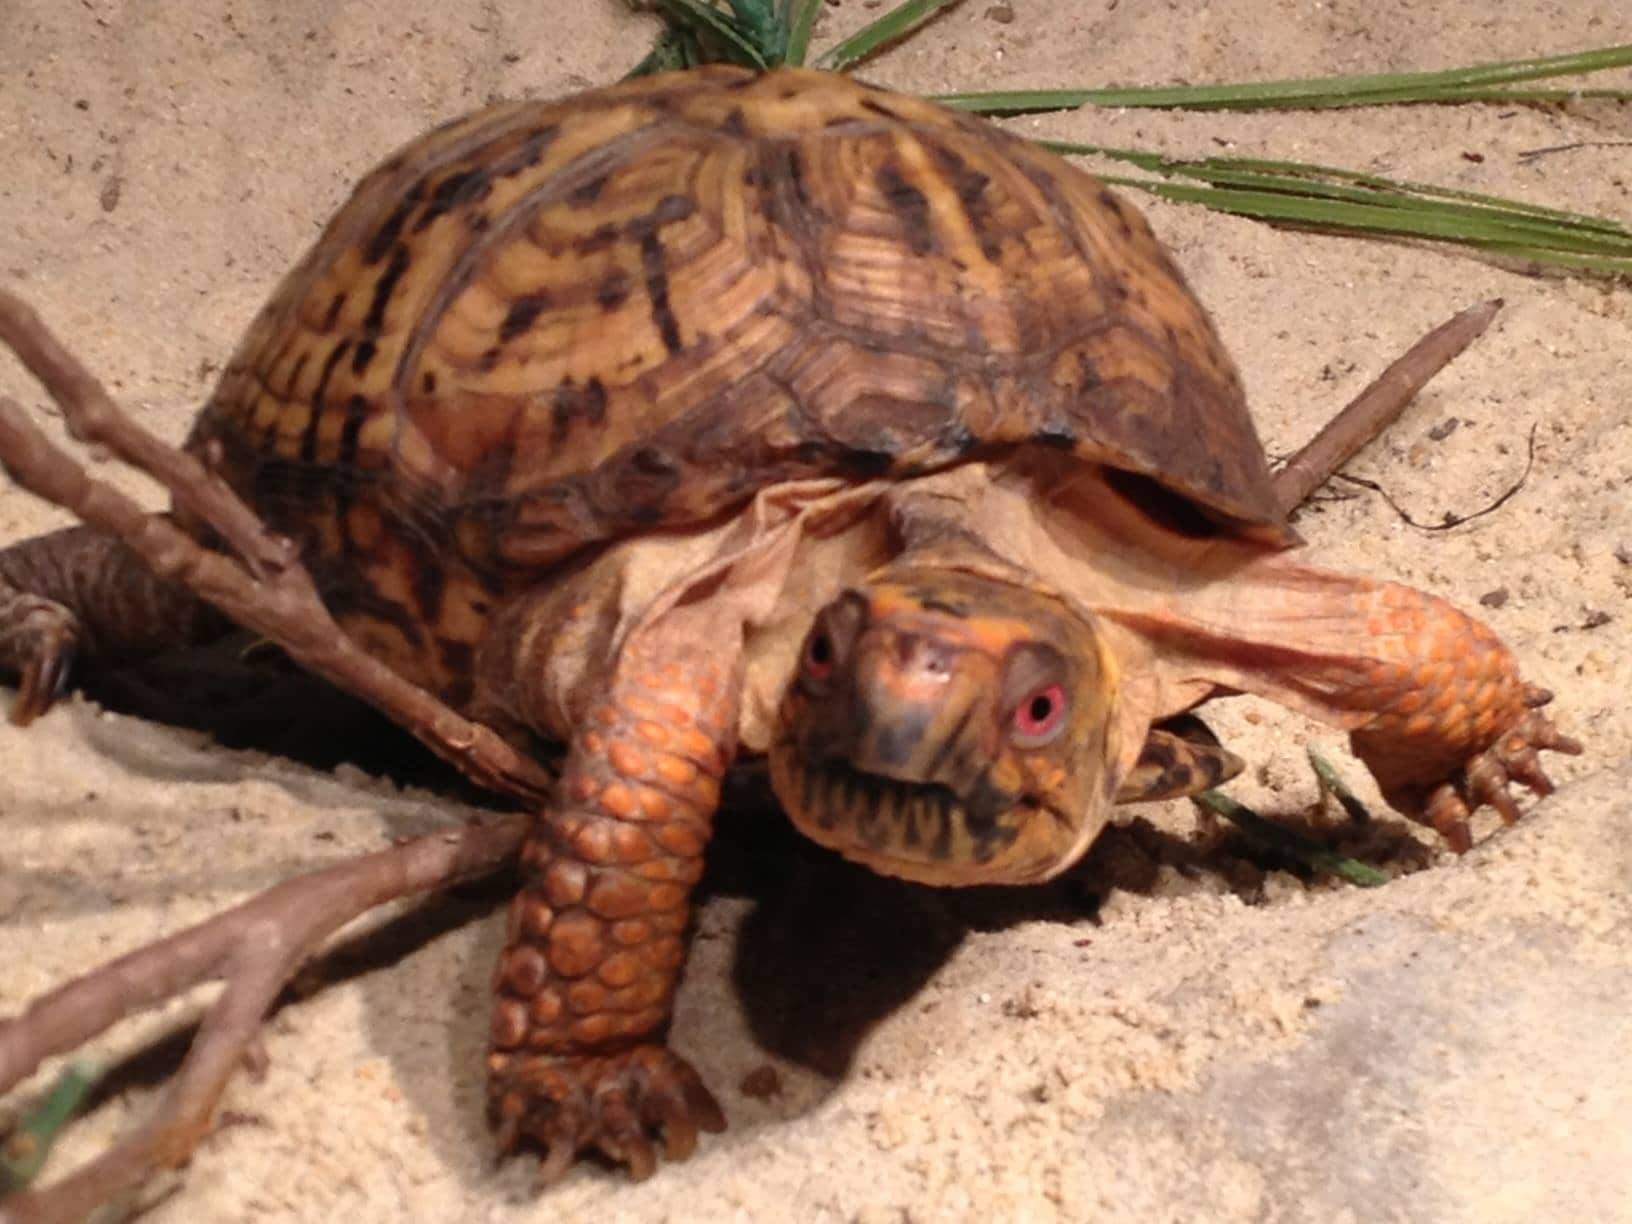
[[79, 592], [1453, 722], [596, 937]]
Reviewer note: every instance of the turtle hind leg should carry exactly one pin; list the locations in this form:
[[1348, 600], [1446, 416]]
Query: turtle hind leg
[[82, 593], [1181, 757]]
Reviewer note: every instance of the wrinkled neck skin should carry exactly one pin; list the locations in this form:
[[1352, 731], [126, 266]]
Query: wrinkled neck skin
[[1175, 613]]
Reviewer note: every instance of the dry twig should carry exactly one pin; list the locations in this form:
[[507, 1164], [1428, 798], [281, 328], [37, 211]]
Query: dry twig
[[1379, 405], [255, 948]]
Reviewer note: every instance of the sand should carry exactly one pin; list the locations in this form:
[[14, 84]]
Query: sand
[[1212, 1041]]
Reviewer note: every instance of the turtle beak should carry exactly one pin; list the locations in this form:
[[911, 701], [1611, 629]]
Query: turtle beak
[[919, 708]]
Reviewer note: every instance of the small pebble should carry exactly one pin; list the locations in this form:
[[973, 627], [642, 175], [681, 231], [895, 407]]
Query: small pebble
[[1494, 599]]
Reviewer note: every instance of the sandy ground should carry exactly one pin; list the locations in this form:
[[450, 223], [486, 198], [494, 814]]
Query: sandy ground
[[1214, 1042]]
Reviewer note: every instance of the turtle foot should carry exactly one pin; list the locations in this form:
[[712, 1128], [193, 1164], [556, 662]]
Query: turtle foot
[[1487, 777], [616, 1104], [38, 640]]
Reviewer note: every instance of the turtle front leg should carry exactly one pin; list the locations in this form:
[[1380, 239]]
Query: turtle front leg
[[1432, 699], [596, 938], [1452, 724]]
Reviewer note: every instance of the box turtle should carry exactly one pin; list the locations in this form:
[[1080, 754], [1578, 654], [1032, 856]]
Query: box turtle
[[717, 414]]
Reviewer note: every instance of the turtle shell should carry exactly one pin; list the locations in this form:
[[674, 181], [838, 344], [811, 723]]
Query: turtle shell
[[554, 323]]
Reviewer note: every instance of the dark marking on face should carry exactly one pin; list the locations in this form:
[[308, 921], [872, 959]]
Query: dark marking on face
[[1173, 511], [874, 106], [952, 742], [333, 312], [897, 739], [454, 192], [910, 206], [427, 382], [982, 808], [654, 265], [734, 123], [942, 848], [522, 313], [574, 404], [489, 359]]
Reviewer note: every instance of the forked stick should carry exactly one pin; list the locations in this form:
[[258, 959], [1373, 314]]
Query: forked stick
[[257, 946], [267, 589]]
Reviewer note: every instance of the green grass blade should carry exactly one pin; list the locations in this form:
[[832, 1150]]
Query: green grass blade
[[760, 24], [674, 49], [1293, 845], [1494, 236], [897, 23], [1478, 82], [800, 18], [26, 1148], [1325, 197], [699, 19]]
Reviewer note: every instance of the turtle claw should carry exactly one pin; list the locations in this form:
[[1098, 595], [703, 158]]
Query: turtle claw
[[1486, 779], [615, 1104], [39, 639]]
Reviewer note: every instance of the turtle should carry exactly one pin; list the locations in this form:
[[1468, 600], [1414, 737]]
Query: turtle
[[725, 414]]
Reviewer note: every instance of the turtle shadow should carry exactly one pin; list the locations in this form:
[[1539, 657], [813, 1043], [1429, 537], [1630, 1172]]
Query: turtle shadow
[[830, 950]]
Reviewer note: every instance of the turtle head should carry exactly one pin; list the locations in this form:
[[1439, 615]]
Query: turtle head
[[947, 727]]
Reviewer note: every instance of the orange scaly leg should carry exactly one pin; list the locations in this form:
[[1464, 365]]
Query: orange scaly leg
[[596, 936], [1453, 724]]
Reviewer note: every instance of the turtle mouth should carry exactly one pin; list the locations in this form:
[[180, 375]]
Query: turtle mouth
[[921, 831], [879, 810]]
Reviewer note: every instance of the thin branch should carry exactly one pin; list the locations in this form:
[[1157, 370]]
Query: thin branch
[[270, 592], [255, 948], [1378, 406]]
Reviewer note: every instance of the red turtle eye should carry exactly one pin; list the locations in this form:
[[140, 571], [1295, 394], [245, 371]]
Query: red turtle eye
[[1039, 717], [819, 655]]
